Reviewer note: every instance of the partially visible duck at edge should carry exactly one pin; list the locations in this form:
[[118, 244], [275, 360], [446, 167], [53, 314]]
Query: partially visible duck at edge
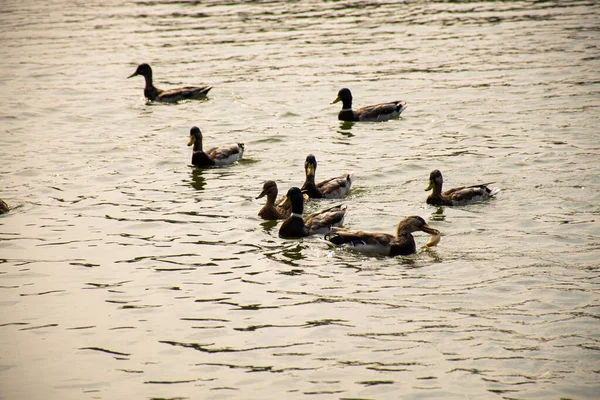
[[333, 188], [4, 208], [273, 208], [168, 96], [458, 196], [377, 112], [383, 243], [296, 226], [216, 156]]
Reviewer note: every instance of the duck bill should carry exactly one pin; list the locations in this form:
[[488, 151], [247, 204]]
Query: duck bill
[[429, 187], [427, 229], [132, 75], [192, 140], [336, 100], [310, 170], [287, 202]]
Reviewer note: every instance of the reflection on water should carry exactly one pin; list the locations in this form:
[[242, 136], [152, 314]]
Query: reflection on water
[[127, 273], [197, 179]]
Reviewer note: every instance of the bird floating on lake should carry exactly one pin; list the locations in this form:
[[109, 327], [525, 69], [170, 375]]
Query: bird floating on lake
[[383, 243], [297, 226], [217, 156], [333, 188], [377, 112], [168, 96], [273, 208], [458, 196]]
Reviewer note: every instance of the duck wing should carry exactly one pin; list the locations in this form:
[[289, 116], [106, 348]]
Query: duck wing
[[335, 188], [364, 242], [184, 93], [468, 194], [380, 112], [324, 220], [226, 155]]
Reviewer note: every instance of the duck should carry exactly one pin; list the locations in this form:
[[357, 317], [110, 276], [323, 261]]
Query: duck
[[458, 196], [4, 208], [273, 208], [217, 156], [402, 244], [333, 188], [168, 96], [377, 112], [296, 226]]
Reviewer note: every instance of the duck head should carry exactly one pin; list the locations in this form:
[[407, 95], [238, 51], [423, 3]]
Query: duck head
[[269, 190], [142, 69], [310, 166], [345, 96], [414, 224], [435, 180], [295, 197], [195, 138]]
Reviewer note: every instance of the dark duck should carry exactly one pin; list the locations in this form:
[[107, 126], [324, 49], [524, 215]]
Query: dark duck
[[402, 244], [457, 196], [297, 226], [217, 156], [152, 93], [333, 188], [377, 112]]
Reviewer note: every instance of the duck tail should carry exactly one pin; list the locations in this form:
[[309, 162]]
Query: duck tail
[[493, 191], [350, 177], [334, 238]]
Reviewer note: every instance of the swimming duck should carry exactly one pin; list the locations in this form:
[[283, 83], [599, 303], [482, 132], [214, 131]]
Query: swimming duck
[[458, 196], [333, 188], [383, 243], [216, 156], [377, 112], [296, 226], [273, 209], [3, 207], [168, 96]]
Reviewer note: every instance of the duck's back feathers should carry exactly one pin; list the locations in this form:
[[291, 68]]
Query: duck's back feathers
[[364, 242], [335, 188], [380, 112], [469, 194], [324, 220], [185, 93], [226, 155]]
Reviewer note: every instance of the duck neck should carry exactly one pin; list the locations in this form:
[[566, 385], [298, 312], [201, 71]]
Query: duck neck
[[436, 190], [148, 79], [297, 207], [347, 104], [271, 197], [198, 144]]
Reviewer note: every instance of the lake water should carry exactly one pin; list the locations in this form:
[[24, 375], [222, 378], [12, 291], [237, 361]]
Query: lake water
[[126, 273]]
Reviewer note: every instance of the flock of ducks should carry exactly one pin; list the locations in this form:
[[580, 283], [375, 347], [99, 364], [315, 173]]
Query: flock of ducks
[[290, 207]]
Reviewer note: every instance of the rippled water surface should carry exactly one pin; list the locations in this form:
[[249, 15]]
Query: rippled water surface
[[125, 273]]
